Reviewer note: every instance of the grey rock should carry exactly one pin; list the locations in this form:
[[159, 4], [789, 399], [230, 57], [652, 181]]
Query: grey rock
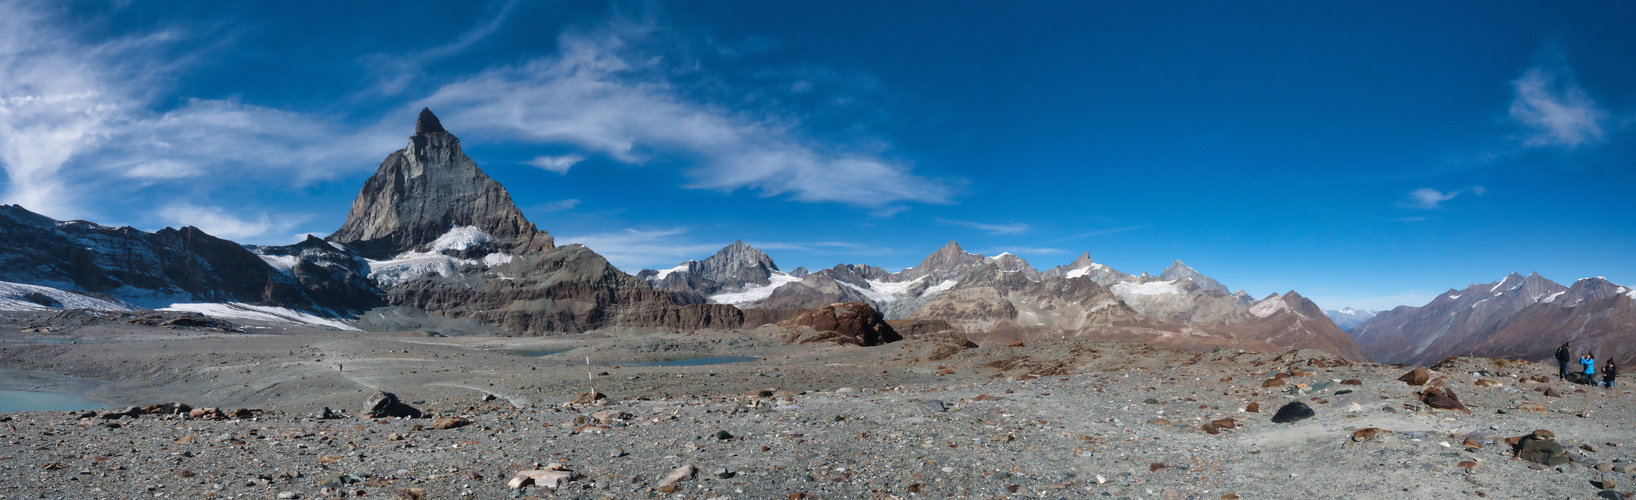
[[383, 404]]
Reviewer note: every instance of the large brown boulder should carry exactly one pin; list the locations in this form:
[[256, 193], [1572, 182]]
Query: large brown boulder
[[1541, 447], [1442, 399], [1417, 376], [846, 323]]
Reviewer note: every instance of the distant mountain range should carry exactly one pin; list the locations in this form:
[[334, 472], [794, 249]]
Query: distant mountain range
[[432, 243], [1348, 318]]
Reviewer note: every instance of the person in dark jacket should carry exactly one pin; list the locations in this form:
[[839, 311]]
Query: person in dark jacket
[[1609, 372], [1562, 361]]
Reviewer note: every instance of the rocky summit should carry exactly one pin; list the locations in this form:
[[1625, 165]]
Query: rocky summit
[[427, 188]]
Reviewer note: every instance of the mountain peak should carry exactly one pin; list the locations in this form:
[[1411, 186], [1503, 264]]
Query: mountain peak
[[428, 123], [1178, 270], [427, 189]]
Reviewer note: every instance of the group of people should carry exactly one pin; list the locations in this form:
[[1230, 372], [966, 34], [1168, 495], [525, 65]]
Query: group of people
[[1587, 363]]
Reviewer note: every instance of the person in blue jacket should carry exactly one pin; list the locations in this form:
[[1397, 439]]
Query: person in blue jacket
[[1589, 362]]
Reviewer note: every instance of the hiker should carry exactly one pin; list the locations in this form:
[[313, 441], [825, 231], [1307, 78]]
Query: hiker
[[1562, 361], [1590, 367], [1609, 372]]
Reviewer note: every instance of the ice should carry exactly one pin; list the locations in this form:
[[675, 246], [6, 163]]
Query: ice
[[753, 294], [498, 258], [881, 292], [1500, 284], [11, 299], [1453, 297], [1075, 273], [260, 313], [460, 238], [1552, 297], [1149, 288], [945, 286]]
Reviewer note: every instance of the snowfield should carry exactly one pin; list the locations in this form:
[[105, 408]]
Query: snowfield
[[409, 266], [1151, 288], [260, 313], [11, 299], [753, 294]]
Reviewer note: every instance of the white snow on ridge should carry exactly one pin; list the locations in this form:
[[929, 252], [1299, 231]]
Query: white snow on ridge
[[409, 266], [753, 294], [260, 313], [1075, 273], [1552, 297], [666, 272], [1150, 288], [11, 299], [1500, 284]]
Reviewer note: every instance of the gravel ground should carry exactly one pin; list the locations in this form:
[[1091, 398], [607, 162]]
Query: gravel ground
[[923, 419]]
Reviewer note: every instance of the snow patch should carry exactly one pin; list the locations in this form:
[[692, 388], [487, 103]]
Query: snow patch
[[881, 292], [1500, 284], [945, 286], [11, 299], [1552, 297], [1454, 297], [460, 238], [1268, 307], [283, 263], [409, 266], [497, 258], [260, 313], [1075, 273], [1149, 288], [662, 274], [753, 294]]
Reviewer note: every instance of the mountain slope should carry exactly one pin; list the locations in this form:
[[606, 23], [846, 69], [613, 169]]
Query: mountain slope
[[1596, 315], [1451, 323], [1348, 318]]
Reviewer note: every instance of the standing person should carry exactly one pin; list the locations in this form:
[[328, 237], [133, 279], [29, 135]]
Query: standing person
[[1609, 372], [1589, 363], [1562, 361]]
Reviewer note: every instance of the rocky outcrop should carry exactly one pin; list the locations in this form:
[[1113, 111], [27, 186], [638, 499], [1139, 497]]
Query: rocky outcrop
[[987, 298], [854, 323], [422, 191], [1451, 324], [1083, 266], [948, 262], [732, 269]]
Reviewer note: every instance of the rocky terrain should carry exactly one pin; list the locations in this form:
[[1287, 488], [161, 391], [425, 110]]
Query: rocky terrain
[[923, 418]]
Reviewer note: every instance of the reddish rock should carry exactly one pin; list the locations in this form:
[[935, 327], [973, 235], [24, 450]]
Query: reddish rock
[[854, 323], [1442, 399], [1351, 381], [450, 423], [1417, 376]]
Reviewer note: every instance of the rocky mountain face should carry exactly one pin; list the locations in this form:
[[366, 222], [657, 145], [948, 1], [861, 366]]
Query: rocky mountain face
[[1180, 271], [1082, 266], [422, 191], [1291, 321], [989, 299], [153, 269], [736, 268], [1348, 318], [1450, 324], [1596, 315]]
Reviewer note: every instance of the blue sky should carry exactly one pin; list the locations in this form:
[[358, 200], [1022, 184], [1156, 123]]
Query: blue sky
[[1362, 154]]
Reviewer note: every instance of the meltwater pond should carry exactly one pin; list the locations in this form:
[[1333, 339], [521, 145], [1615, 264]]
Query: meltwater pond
[[45, 401], [708, 360]]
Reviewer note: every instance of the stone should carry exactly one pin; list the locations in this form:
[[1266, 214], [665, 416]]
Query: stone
[[546, 478], [1466, 464], [611, 416], [723, 435], [850, 323], [668, 484], [933, 406], [1272, 382], [759, 393], [1417, 376], [616, 453], [1351, 381], [1253, 407], [1607, 482], [586, 398], [1609, 495], [286, 495], [1294, 412], [1442, 399], [488, 397], [1369, 434], [1483, 382], [328, 414], [1541, 447], [446, 423], [723, 473], [384, 404], [1550, 392]]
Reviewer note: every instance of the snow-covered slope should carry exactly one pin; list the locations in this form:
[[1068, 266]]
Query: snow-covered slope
[[261, 313], [21, 297], [412, 265]]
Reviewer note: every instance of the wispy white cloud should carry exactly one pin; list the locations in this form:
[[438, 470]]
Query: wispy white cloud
[[1428, 198], [395, 72], [632, 250], [76, 118], [1013, 228], [561, 205], [1554, 110], [1099, 232], [606, 97], [221, 223], [558, 164]]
